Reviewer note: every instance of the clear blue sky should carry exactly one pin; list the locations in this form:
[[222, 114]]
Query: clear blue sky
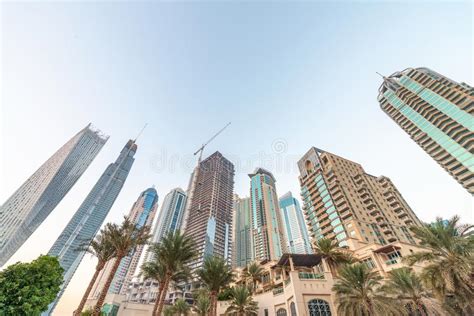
[[296, 74]]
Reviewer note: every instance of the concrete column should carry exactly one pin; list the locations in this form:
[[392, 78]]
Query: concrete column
[[292, 266]]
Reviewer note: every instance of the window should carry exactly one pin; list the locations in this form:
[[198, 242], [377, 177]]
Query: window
[[293, 309], [319, 308], [281, 312], [265, 312]]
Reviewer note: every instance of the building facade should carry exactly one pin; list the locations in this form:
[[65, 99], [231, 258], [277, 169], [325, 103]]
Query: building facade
[[209, 213], [29, 206], [295, 226], [243, 248], [344, 203], [268, 236], [438, 114], [170, 216], [141, 214], [87, 220]]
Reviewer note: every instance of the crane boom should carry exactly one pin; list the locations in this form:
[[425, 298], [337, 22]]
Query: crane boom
[[201, 149]]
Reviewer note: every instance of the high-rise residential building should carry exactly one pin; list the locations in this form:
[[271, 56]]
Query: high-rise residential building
[[344, 203], [295, 226], [268, 237], [209, 212], [141, 214], [29, 206], [170, 216], [438, 114], [242, 249], [87, 220]]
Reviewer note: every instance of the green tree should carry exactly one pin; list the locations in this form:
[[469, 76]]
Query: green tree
[[216, 274], [156, 270], [28, 288], [180, 307], [406, 287], [171, 254], [332, 253], [242, 302], [123, 238], [202, 303], [448, 260], [254, 273], [102, 249], [357, 293], [168, 311]]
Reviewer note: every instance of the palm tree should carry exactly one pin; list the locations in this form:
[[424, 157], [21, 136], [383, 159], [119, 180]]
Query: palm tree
[[123, 238], [242, 302], [215, 274], [180, 307], [168, 311], [202, 301], [173, 252], [254, 272], [202, 304], [155, 270], [104, 251], [449, 261], [406, 286], [332, 253], [357, 293]]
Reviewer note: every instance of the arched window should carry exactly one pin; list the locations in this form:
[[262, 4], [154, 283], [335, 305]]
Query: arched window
[[281, 312], [319, 308], [293, 309]]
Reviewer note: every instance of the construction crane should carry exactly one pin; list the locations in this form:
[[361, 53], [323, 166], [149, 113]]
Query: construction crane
[[201, 149]]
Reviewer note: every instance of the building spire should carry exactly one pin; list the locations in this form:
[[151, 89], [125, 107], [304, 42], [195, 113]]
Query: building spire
[[141, 131]]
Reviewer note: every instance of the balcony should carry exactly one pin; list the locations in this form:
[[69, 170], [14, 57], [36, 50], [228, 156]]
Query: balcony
[[278, 291], [310, 276]]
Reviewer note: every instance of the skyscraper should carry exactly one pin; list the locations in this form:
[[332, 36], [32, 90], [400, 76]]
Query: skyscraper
[[438, 114], [142, 214], [344, 203], [170, 216], [242, 249], [267, 227], [209, 214], [294, 224], [29, 206], [87, 220]]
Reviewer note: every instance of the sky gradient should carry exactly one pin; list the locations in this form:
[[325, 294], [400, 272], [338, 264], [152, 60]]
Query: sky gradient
[[288, 75]]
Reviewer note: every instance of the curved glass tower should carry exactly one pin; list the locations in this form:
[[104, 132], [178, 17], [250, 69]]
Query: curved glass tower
[[87, 220], [29, 206]]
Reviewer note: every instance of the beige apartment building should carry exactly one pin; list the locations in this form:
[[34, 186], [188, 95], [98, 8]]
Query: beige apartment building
[[343, 202]]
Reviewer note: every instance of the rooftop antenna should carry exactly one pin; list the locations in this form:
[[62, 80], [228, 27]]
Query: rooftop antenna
[[378, 73], [141, 131], [201, 149]]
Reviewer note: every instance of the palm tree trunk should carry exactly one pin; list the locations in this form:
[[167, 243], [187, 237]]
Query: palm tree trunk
[[213, 309], [79, 309], [161, 301], [158, 297], [105, 289]]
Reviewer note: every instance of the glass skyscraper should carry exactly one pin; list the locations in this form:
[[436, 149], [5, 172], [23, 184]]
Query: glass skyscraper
[[87, 220], [29, 206], [243, 249], [267, 227], [438, 114], [142, 214], [295, 226], [170, 216]]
